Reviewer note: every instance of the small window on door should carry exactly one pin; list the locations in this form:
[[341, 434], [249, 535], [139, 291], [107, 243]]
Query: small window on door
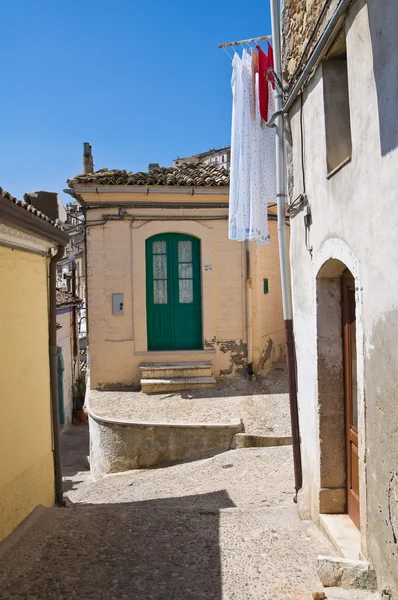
[[337, 107], [185, 272], [159, 251]]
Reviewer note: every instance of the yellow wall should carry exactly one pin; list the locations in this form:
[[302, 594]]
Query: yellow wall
[[26, 463], [116, 264], [268, 330]]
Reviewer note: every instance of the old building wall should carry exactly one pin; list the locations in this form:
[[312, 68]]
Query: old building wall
[[354, 212], [65, 341], [116, 264], [268, 323], [27, 468], [303, 22]]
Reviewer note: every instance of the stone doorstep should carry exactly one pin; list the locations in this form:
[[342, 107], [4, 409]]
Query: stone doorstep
[[343, 534], [176, 384], [175, 370], [177, 365], [347, 574], [246, 440]]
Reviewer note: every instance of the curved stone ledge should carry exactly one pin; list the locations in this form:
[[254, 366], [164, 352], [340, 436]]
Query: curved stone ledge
[[120, 445]]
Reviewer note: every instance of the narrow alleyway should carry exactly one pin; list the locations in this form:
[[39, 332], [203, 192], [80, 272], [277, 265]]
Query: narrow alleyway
[[223, 528]]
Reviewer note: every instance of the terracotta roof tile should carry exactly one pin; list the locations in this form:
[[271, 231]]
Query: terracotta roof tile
[[67, 299], [28, 207], [196, 175]]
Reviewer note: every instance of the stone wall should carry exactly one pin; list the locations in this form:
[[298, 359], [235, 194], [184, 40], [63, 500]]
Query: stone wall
[[299, 24]]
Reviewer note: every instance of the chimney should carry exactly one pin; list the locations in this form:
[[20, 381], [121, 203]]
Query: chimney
[[88, 161], [153, 166]]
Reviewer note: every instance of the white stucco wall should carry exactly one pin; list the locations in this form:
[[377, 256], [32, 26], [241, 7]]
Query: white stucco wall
[[355, 215]]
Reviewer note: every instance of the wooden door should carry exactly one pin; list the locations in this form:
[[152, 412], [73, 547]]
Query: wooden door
[[173, 290], [351, 400]]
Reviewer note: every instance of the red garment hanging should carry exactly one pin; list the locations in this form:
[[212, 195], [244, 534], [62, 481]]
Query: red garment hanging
[[264, 63], [271, 63]]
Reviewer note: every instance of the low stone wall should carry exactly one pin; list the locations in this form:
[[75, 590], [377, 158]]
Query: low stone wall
[[117, 446]]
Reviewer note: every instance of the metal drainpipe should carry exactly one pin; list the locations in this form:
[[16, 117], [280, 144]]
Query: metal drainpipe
[[59, 495], [284, 251]]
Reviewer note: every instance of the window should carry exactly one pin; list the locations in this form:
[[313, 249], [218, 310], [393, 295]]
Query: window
[[185, 273], [159, 250], [337, 107]]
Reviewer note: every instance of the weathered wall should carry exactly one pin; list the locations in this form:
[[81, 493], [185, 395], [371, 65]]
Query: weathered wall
[[116, 264], [65, 341], [122, 446], [26, 464], [299, 24], [354, 216]]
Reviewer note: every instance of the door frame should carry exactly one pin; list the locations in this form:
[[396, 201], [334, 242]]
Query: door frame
[[140, 233], [330, 261], [351, 433], [173, 308]]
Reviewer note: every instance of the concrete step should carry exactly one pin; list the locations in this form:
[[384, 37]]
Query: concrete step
[[173, 384], [175, 370]]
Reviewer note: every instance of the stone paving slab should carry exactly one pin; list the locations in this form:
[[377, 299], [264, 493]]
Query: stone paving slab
[[262, 404], [223, 528]]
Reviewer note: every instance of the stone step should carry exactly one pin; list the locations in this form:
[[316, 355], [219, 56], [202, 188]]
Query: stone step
[[175, 370], [247, 440], [173, 384]]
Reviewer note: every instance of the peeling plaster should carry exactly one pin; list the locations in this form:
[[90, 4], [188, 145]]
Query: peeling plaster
[[237, 351]]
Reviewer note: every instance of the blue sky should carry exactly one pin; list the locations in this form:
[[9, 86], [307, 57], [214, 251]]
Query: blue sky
[[141, 81]]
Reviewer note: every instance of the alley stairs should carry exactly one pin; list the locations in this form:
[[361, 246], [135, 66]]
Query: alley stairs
[[172, 377]]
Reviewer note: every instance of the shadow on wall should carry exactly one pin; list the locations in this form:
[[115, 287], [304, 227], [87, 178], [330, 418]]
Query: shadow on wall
[[153, 549], [383, 24]]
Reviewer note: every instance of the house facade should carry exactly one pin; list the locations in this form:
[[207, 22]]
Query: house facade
[[27, 239], [164, 282], [343, 167], [218, 157]]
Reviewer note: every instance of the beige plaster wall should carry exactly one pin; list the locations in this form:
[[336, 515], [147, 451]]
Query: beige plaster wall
[[268, 323], [116, 264]]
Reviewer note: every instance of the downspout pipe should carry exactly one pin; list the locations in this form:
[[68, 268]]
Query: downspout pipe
[[284, 250], [59, 493]]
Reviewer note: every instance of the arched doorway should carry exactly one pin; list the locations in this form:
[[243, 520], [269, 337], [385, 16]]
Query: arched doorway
[[337, 391], [173, 292]]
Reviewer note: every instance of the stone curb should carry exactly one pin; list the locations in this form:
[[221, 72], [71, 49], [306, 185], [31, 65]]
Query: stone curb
[[229, 425], [345, 573], [246, 440]]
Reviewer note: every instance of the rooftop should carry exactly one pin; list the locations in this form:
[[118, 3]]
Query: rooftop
[[28, 207], [196, 175], [66, 299]]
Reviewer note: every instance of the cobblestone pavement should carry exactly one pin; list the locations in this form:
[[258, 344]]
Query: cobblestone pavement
[[222, 528], [262, 404]]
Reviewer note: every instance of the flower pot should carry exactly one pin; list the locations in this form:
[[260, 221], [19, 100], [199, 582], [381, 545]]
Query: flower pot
[[81, 416]]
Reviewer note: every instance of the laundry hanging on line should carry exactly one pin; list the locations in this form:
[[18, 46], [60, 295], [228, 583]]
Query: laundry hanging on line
[[252, 170]]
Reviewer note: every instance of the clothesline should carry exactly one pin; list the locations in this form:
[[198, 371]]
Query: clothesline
[[257, 39]]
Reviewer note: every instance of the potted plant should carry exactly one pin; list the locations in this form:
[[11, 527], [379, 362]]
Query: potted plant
[[79, 394]]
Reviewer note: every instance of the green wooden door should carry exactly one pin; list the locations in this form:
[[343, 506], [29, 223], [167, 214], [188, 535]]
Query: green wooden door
[[173, 292]]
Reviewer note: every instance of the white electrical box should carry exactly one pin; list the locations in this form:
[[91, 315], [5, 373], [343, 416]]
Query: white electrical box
[[118, 304]]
